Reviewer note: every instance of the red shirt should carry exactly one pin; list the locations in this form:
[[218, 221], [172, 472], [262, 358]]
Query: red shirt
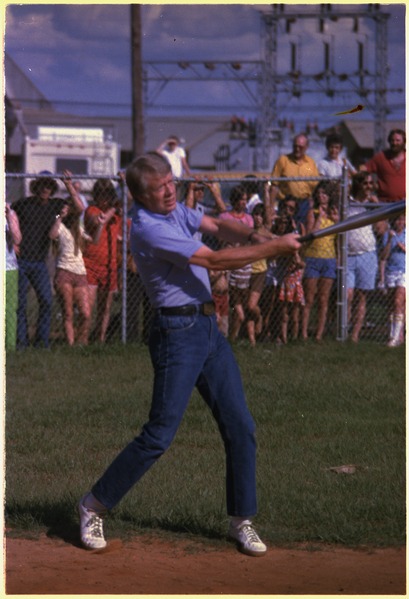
[[391, 179], [103, 253]]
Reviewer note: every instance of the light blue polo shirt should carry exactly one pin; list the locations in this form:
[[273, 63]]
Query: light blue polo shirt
[[161, 246]]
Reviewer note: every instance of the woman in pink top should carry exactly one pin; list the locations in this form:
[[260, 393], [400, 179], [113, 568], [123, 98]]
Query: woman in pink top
[[239, 280]]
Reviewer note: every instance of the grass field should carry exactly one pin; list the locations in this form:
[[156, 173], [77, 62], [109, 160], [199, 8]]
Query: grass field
[[69, 412]]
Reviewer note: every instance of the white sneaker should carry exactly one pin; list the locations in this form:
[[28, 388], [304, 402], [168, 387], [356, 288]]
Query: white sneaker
[[91, 526], [248, 540]]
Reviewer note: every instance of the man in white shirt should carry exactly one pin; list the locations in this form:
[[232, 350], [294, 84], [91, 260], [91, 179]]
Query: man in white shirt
[[175, 155]]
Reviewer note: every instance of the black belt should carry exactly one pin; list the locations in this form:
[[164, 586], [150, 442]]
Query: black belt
[[207, 309]]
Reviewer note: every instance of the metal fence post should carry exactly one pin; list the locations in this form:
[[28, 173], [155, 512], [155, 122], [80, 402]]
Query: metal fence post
[[124, 259], [342, 291]]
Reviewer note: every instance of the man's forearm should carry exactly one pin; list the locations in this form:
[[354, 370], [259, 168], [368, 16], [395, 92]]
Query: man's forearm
[[233, 232], [237, 257]]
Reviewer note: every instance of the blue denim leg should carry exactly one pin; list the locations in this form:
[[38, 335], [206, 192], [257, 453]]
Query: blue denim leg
[[180, 349], [42, 286], [36, 274], [220, 385], [23, 285]]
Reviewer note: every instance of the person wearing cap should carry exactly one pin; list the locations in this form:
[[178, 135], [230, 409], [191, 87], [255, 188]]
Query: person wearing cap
[[175, 155], [37, 214]]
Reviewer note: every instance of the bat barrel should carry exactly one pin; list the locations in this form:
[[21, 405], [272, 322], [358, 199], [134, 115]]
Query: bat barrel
[[357, 221]]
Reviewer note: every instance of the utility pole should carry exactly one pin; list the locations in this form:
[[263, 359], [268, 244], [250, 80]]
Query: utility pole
[[138, 131]]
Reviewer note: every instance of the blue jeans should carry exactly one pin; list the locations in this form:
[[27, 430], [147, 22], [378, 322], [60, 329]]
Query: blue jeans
[[189, 351], [36, 274]]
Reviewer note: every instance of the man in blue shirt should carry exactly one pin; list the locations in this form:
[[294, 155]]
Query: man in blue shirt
[[187, 349]]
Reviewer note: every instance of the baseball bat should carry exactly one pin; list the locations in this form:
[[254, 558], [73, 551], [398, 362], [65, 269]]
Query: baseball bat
[[358, 220]]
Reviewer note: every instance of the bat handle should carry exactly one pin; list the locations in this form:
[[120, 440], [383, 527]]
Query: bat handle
[[305, 238]]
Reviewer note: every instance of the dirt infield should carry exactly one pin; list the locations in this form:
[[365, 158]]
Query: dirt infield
[[155, 566]]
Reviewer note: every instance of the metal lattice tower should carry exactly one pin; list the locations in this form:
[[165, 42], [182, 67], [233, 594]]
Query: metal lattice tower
[[361, 82]]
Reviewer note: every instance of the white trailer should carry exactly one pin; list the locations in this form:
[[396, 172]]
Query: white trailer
[[82, 151]]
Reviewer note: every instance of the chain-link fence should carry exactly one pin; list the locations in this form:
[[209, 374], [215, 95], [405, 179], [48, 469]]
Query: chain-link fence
[[71, 278]]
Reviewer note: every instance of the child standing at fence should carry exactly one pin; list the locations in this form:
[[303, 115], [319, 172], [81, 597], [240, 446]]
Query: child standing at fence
[[257, 279], [291, 299], [394, 253], [291, 293], [239, 279], [219, 282]]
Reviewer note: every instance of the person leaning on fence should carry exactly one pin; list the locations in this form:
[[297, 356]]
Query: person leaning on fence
[[100, 258], [13, 240], [70, 279], [289, 296], [186, 347], [394, 254], [320, 258], [362, 261], [36, 215], [219, 282], [296, 164], [239, 279]]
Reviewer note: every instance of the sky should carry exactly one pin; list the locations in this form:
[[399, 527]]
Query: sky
[[79, 55]]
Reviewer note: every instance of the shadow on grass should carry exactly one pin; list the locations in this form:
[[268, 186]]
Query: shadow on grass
[[58, 518], [61, 521]]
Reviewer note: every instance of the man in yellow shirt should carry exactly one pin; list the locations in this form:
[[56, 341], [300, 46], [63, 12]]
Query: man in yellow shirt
[[295, 164]]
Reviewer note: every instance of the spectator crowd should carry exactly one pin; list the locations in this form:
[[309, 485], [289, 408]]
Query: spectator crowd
[[64, 246]]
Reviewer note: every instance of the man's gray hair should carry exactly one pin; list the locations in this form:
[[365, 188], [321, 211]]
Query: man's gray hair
[[151, 163]]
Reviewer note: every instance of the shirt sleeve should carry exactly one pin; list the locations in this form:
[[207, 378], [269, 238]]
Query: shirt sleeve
[[169, 239]]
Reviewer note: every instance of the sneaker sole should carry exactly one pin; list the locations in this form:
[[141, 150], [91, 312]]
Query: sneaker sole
[[246, 551]]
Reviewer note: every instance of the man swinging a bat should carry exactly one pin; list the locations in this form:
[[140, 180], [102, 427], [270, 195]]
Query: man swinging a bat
[[187, 349]]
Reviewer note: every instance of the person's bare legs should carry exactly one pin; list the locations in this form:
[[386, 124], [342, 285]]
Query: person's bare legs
[[66, 295], [323, 293], [284, 322], [356, 311], [254, 323], [295, 319], [238, 299], [104, 303], [81, 299], [310, 289]]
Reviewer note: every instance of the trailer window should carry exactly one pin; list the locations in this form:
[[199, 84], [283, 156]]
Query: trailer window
[[75, 165]]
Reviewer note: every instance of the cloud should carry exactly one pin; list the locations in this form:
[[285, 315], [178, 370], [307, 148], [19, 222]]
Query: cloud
[[94, 21], [82, 52], [200, 32]]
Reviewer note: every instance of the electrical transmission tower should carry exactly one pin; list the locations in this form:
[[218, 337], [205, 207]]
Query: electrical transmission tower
[[361, 81], [270, 88]]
